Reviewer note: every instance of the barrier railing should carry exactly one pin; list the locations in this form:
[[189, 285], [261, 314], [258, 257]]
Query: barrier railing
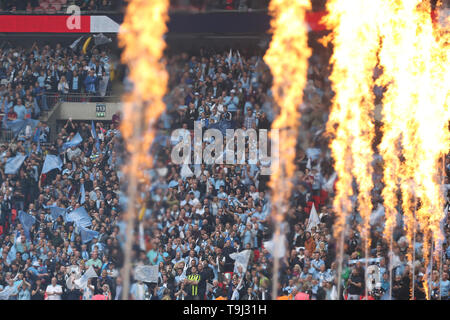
[[54, 98]]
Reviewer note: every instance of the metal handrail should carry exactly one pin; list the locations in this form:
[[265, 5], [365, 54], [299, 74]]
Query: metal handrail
[[82, 97]]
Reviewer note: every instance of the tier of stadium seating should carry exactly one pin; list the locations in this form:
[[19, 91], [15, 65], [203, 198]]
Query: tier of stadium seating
[[48, 6]]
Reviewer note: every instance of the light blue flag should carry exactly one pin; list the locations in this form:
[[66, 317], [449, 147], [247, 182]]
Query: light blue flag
[[38, 148], [87, 234], [94, 135], [55, 212], [37, 110], [76, 140], [11, 254], [13, 164], [51, 162], [173, 184], [27, 222], [15, 125], [82, 194], [80, 217]]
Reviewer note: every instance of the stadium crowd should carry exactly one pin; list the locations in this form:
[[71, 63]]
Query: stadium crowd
[[30, 77], [195, 218], [54, 6]]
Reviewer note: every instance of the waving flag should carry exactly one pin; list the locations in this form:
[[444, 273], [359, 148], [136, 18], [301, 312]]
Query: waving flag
[[230, 57], [55, 212], [13, 164], [4, 295], [76, 140], [146, 273], [36, 108], [313, 219], [11, 254], [16, 126], [82, 194], [87, 234], [94, 135], [80, 217], [280, 250], [51, 162], [240, 59], [74, 45], [27, 222], [241, 259], [37, 138], [82, 282]]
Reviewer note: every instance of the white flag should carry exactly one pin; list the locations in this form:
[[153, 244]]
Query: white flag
[[146, 273], [334, 294], [376, 215], [330, 183], [240, 59], [230, 56], [308, 164], [241, 259], [83, 281], [186, 172], [280, 250], [313, 219]]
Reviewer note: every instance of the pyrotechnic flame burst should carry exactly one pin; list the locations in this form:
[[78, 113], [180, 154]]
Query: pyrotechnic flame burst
[[287, 58], [142, 36], [355, 41], [415, 59]]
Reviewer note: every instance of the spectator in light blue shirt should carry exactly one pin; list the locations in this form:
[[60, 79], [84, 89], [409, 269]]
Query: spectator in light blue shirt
[[231, 101], [20, 110], [445, 286]]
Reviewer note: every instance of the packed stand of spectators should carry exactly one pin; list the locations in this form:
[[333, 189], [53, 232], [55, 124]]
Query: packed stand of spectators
[[36, 260], [198, 216], [195, 218], [33, 79], [241, 5], [58, 6]]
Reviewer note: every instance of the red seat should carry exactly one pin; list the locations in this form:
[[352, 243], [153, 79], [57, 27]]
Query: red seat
[[57, 6], [13, 215], [316, 200]]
